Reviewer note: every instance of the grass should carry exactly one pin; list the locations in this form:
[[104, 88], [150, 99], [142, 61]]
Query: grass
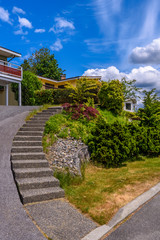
[[104, 191]]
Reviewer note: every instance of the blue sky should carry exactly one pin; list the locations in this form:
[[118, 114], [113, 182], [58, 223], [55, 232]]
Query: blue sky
[[109, 38]]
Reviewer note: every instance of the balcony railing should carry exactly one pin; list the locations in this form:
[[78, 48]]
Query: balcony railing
[[10, 69]]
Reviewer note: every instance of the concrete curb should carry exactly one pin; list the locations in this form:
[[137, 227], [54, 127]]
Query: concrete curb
[[123, 212]]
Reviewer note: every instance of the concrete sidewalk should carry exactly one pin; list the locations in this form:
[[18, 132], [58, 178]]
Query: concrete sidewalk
[[14, 222]]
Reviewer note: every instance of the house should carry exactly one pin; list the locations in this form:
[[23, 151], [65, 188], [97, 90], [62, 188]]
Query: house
[[9, 73], [54, 84], [130, 104]]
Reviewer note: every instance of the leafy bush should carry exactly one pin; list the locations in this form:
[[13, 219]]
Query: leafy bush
[[111, 96], [111, 144], [44, 97], [62, 96], [130, 115], [80, 111], [30, 84]]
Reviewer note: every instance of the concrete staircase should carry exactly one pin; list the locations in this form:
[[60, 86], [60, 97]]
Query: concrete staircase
[[34, 178]]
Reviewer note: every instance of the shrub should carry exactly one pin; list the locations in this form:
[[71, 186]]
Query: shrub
[[111, 144], [44, 97], [30, 84], [62, 96], [50, 96], [80, 111], [111, 96]]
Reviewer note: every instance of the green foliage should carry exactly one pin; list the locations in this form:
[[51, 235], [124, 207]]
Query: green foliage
[[30, 84], [83, 90], [62, 96], [43, 63], [111, 96], [44, 97], [130, 90], [57, 96], [111, 144], [111, 117], [90, 102], [55, 124], [150, 114], [130, 115]]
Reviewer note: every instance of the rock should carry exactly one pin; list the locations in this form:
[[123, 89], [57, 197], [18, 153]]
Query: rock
[[68, 153]]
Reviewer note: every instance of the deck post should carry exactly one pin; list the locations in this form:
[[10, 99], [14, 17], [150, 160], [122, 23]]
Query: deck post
[[6, 87], [20, 99]]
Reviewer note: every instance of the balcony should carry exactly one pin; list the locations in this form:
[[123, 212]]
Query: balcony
[[8, 69]]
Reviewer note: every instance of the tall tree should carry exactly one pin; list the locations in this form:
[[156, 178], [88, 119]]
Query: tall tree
[[130, 91], [43, 63], [150, 114]]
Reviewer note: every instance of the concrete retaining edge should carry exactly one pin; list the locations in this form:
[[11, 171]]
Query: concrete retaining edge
[[123, 212]]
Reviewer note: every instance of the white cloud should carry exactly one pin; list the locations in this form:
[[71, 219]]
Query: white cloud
[[39, 30], [150, 20], [105, 12], [18, 10], [4, 15], [20, 32], [24, 22], [146, 77], [61, 25], [147, 54], [57, 46]]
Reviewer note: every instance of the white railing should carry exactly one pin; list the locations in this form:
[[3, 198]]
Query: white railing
[[10, 69]]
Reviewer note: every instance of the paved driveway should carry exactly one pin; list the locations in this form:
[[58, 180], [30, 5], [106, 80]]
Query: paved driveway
[[14, 223]]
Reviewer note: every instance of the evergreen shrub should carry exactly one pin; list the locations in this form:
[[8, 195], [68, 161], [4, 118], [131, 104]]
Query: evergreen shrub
[[112, 144]]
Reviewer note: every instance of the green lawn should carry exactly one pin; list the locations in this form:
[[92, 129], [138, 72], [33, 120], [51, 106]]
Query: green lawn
[[104, 191]]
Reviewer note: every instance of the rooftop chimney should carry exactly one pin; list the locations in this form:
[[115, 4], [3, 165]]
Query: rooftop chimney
[[63, 76]]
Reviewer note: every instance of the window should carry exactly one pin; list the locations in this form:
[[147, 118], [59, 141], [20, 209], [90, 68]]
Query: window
[[49, 86], [61, 86], [1, 88], [128, 106]]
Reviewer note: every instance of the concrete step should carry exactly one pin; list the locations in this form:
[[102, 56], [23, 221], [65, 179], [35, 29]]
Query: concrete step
[[26, 143], [29, 133], [29, 164], [26, 149], [40, 118], [32, 172], [33, 124], [27, 138], [32, 129], [50, 110], [37, 121], [46, 114], [31, 183], [27, 156], [42, 194]]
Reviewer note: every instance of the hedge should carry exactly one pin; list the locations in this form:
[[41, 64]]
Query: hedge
[[50, 96], [113, 144]]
